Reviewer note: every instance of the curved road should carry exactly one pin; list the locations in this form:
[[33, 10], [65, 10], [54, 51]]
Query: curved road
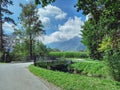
[[18, 77]]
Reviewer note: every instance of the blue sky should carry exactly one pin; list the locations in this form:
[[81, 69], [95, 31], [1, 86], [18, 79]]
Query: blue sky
[[60, 19]]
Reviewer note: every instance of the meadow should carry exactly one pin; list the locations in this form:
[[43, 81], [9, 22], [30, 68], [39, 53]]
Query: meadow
[[69, 54]]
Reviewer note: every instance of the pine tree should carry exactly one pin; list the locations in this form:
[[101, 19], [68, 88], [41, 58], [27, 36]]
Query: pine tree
[[31, 23], [4, 18]]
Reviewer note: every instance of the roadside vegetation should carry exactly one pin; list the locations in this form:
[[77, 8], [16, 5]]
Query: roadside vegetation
[[91, 68], [68, 81]]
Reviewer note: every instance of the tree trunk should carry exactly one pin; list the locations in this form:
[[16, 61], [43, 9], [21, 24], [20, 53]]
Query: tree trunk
[[30, 47], [1, 31]]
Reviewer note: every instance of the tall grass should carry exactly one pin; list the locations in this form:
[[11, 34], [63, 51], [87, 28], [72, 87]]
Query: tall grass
[[91, 68]]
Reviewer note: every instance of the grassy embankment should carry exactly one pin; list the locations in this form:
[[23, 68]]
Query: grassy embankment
[[97, 70], [91, 68], [68, 81]]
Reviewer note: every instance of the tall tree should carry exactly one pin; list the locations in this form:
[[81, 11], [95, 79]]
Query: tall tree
[[93, 30], [105, 32], [31, 23], [3, 18], [92, 37]]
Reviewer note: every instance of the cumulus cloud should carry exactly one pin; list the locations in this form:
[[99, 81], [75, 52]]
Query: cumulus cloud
[[8, 28], [68, 30], [50, 11]]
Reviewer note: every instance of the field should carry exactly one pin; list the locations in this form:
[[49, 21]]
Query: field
[[69, 54]]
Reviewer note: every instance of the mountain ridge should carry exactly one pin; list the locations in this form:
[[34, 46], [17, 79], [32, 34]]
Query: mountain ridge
[[73, 44]]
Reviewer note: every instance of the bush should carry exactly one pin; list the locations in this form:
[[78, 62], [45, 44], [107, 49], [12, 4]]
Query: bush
[[114, 64], [69, 54], [18, 58], [90, 68]]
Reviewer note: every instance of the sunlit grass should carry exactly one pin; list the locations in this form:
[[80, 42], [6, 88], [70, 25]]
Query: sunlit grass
[[68, 81], [91, 68]]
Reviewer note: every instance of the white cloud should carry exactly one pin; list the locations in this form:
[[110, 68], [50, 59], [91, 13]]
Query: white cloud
[[60, 16], [50, 11], [8, 28], [45, 21], [68, 30]]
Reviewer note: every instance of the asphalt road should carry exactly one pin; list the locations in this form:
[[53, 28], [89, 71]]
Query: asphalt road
[[18, 77]]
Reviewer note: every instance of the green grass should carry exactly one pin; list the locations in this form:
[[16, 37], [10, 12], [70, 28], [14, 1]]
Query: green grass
[[68, 81], [91, 68], [69, 54], [85, 59]]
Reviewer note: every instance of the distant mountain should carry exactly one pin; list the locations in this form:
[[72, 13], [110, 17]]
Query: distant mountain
[[73, 44]]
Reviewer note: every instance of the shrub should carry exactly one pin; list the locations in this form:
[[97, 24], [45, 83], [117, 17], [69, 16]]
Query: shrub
[[42, 64], [114, 64], [90, 68], [14, 57]]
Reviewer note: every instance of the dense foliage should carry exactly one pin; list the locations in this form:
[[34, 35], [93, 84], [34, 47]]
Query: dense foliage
[[92, 39], [21, 51], [101, 32], [114, 64], [103, 22]]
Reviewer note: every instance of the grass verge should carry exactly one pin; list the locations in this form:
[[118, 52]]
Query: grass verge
[[68, 81]]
